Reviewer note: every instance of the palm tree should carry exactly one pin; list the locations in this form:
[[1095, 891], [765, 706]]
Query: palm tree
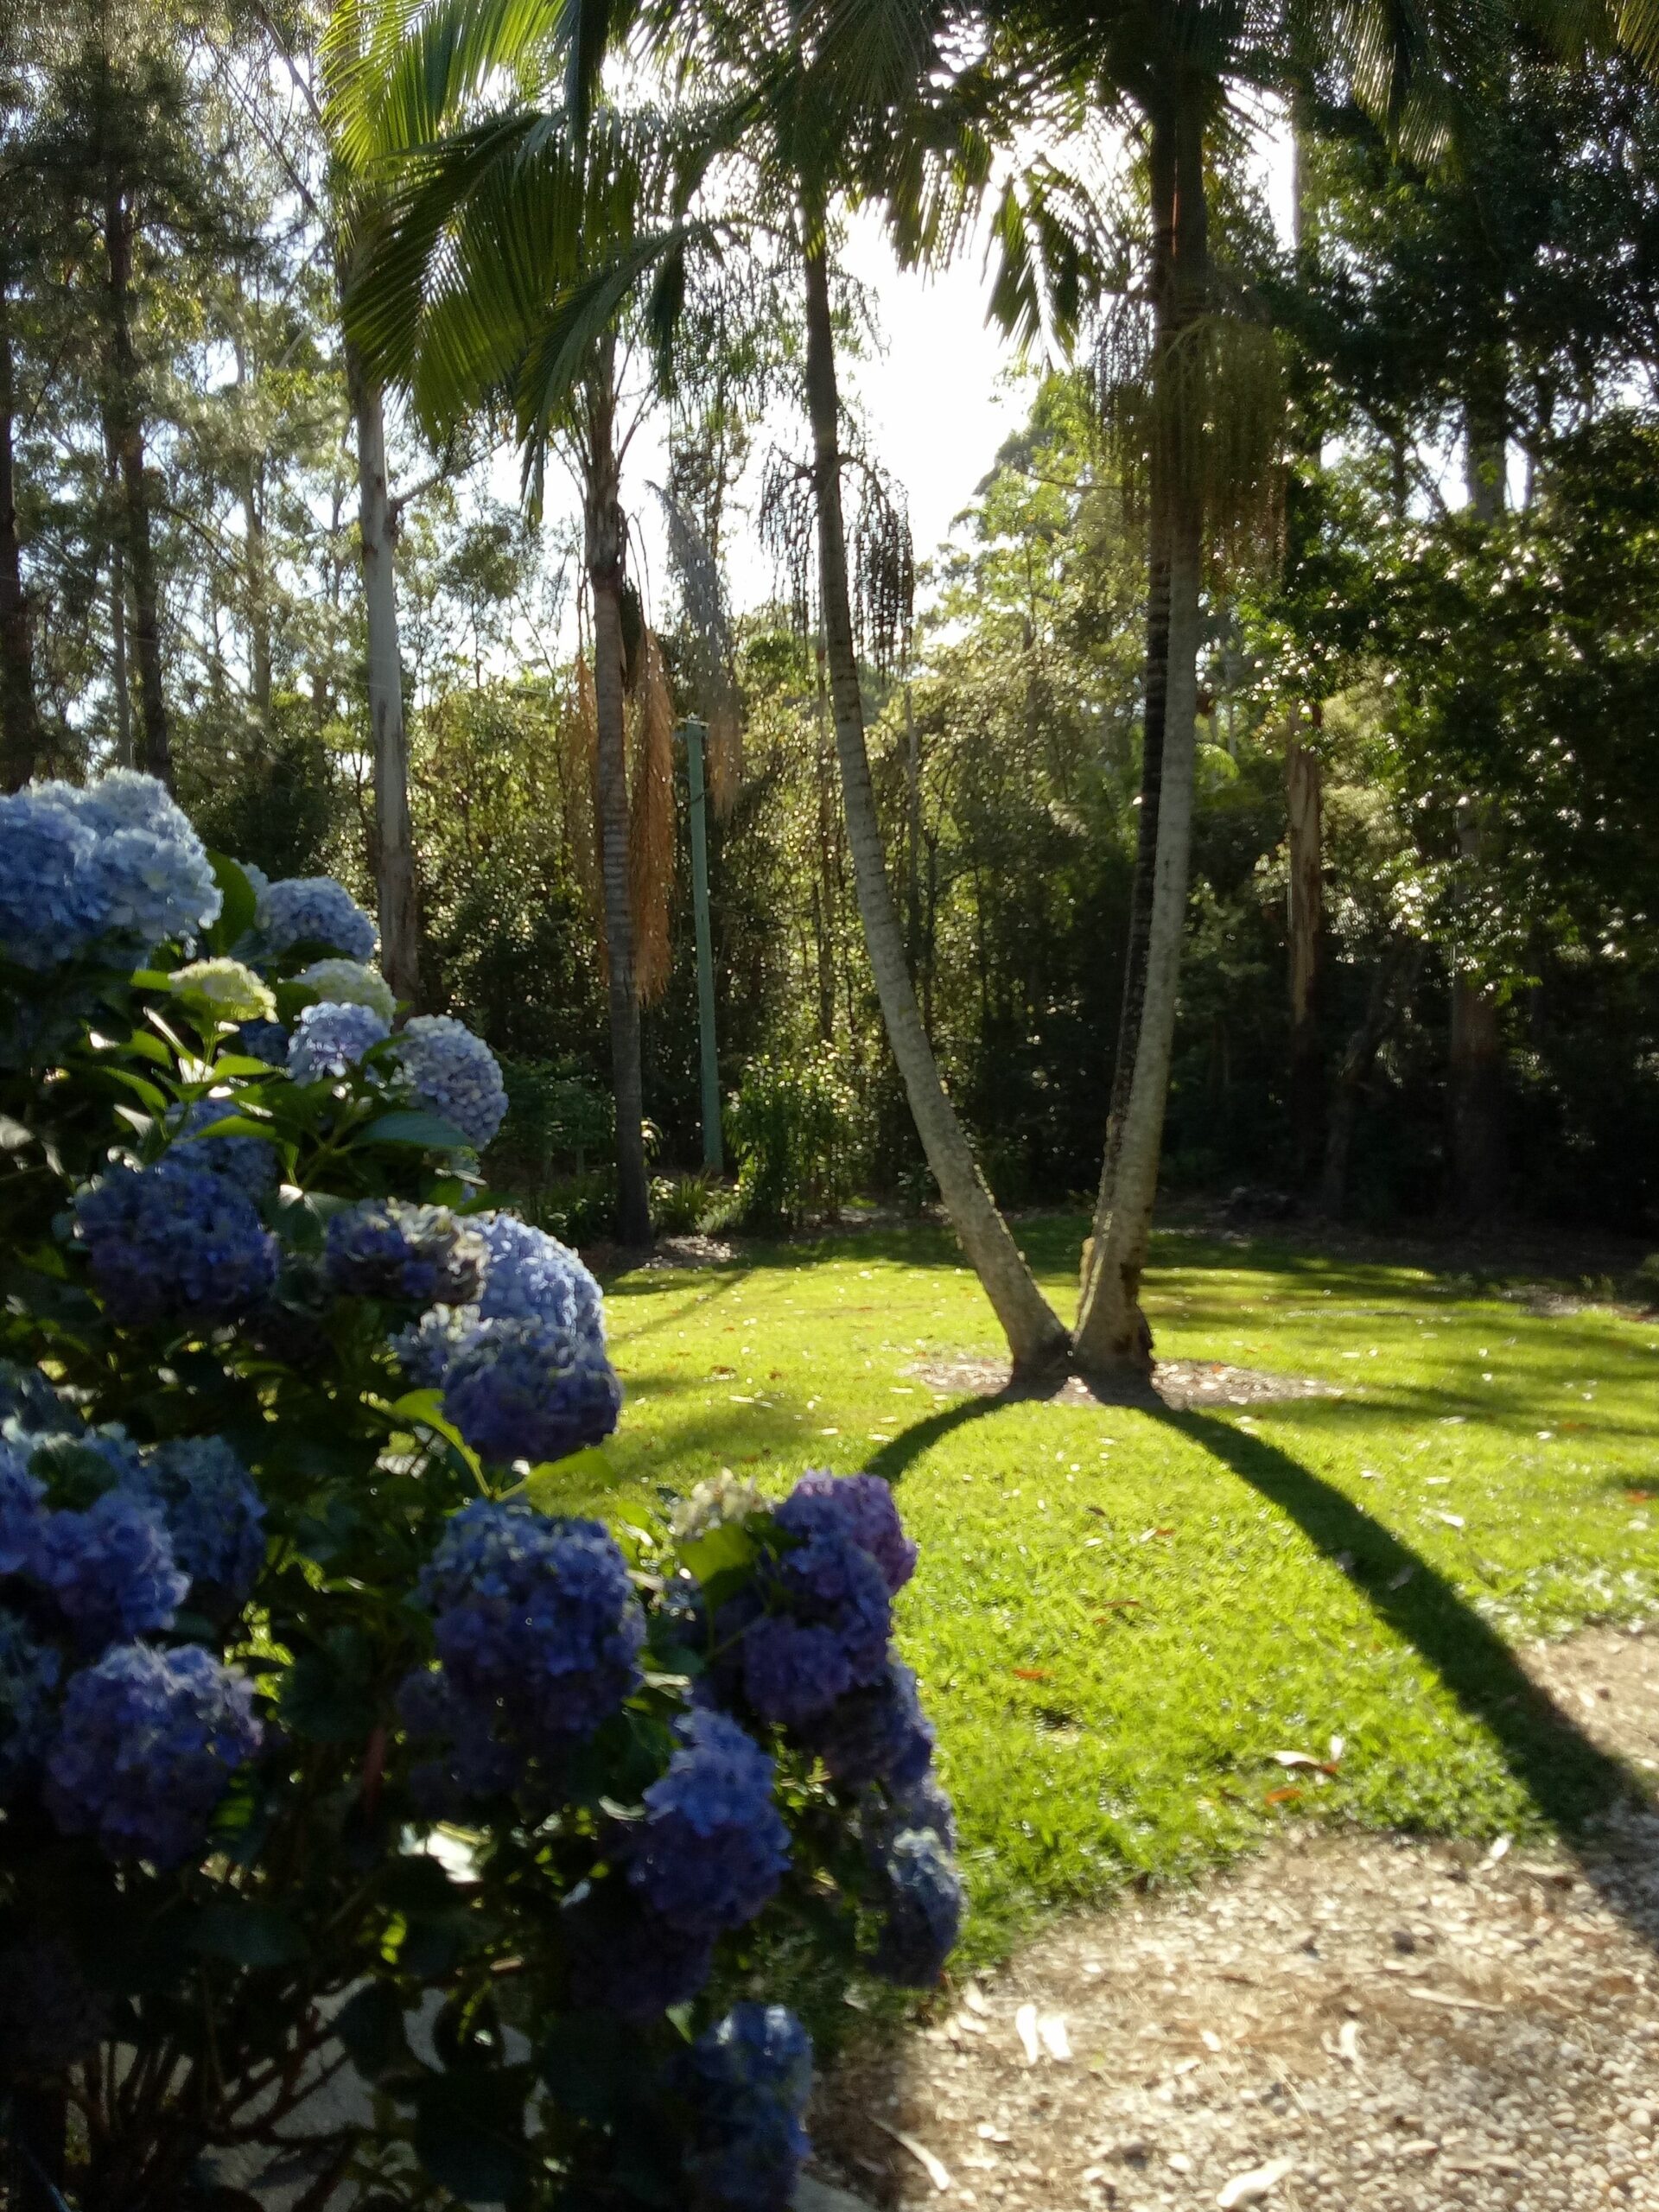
[[509, 245], [821, 102], [1176, 65]]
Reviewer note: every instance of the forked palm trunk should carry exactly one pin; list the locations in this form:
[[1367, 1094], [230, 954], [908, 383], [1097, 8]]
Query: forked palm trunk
[[1112, 1332], [1037, 1339], [605, 546], [394, 844]]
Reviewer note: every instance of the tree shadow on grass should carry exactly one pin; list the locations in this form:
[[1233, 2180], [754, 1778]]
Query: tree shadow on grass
[[1572, 1783]]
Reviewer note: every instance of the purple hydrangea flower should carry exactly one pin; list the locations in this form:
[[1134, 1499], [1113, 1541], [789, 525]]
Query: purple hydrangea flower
[[469, 1760], [116, 865], [313, 910], [263, 1040], [331, 1041], [535, 1618], [146, 1747], [215, 1517], [110, 1571], [878, 1734], [825, 1632], [712, 1846], [454, 1074], [22, 1508], [860, 1506], [748, 2081], [174, 1241], [626, 1959], [921, 1909], [527, 1390], [249, 1162], [30, 1672], [29, 1399], [384, 1247]]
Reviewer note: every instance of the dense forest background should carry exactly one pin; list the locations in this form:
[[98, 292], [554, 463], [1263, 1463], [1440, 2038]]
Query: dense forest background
[[1423, 937]]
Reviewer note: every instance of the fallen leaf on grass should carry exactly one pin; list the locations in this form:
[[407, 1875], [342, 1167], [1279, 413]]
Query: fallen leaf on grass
[[1288, 1795], [1456, 2004], [1640, 1496], [937, 2172], [1033, 1674], [1209, 2038], [1499, 1850], [1451, 1520], [1255, 2186], [1025, 2026], [1296, 1759]]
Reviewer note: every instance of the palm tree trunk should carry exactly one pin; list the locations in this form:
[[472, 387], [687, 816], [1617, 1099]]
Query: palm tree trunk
[[1112, 1332], [127, 438], [20, 725], [606, 548], [394, 843], [1152, 739], [1304, 792], [1037, 1339]]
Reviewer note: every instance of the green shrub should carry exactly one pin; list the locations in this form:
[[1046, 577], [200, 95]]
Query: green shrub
[[794, 1128]]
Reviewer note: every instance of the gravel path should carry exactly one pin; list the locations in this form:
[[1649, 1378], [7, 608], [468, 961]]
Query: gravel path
[[1350, 2022]]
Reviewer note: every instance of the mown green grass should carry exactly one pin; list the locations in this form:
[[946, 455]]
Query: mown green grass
[[1290, 1576]]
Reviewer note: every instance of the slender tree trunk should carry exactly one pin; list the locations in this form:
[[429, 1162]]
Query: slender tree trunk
[[913, 835], [1391, 987], [1152, 723], [1304, 783], [20, 724], [1112, 1332], [259, 646], [1036, 1338], [1479, 1160], [119, 682], [606, 548], [128, 438], [394, 844]]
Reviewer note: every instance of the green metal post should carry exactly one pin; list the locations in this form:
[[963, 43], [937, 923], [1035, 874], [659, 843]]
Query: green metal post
[[713, 1156]]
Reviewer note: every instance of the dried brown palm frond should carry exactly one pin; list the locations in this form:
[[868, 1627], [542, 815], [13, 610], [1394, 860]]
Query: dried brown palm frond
[[579, 785], [651, 819]]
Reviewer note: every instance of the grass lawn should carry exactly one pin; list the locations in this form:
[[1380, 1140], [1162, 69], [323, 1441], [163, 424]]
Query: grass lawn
[[1119, 1617]]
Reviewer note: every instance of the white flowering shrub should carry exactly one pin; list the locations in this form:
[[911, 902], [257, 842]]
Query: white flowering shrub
[[277, 1614]]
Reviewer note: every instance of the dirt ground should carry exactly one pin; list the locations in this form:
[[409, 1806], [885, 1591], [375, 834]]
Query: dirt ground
[[1349, 2021]]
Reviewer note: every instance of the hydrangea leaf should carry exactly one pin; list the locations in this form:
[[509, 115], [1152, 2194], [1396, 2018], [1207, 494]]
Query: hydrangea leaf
[[371, 2026], [429, 1131], [725, 1550], [236, 915], [248, 1934]]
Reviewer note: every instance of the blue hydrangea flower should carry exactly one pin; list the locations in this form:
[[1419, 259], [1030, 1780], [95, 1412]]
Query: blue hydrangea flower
[[313, 910], [49, 906], [249, 1162], [625, 1958], [21, 1504], [921, 1892], [712, 1846], [110, 1571], [526, 1390], [536, 1616], [428, 1348], [215, 1517], [124, 798], [258, 881], [349, 983], [860, 1506], [748, 2081], [330, 1040], [29, 1399], [263, 1040], [384, 1247], [30, 1671], [530, 1276], [887, 1813], [152, 889], [454, 1074], [146, 1746], [826, 1633], [174, 1241], [878, 1734], [469, 1759]]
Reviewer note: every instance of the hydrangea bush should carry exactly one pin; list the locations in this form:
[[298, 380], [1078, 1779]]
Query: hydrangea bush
[[321, 1745]]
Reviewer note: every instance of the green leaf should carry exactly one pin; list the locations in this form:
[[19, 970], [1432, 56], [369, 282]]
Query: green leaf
[[371, 2026], [248, 1935], [149, 1048], [589, 1467], [724, 1550], [469, 2135], [429, 1131], [140, 1087], [236, 915], [237, 1063]]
